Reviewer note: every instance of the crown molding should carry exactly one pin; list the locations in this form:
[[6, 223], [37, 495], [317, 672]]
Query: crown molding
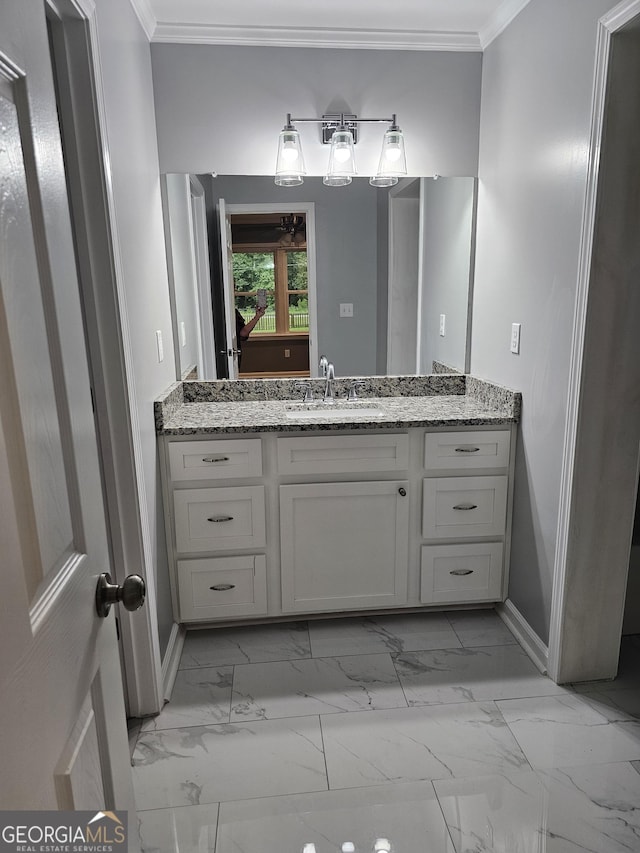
[[620, 15], [145, 15], [500, 20], [314, 37]]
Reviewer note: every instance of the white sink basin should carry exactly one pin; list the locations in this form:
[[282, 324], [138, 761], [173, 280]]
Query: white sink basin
[[333, 413]]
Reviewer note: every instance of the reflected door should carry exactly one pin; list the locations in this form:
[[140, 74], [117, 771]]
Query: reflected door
[[63, 735]]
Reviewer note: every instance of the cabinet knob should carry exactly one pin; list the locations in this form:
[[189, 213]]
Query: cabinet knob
[[210, 459], [461, 572], [402, 492], [217, 518], [222, 587], [467, 449], [466, 507]]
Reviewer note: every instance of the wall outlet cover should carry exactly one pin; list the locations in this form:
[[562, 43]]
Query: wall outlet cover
[[346, 309]]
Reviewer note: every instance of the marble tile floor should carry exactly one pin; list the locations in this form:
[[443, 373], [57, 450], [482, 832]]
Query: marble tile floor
[[433, 730]]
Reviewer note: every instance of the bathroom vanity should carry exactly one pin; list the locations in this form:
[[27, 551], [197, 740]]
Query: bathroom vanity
[[275, 507]]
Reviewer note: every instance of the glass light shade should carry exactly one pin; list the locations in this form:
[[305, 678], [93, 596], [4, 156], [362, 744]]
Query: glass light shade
[[383, 181], [393, 161], [336, 180], [290, 161], [342, 162]]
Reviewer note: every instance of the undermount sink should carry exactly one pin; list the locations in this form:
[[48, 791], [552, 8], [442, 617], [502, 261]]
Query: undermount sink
[[309, 411]]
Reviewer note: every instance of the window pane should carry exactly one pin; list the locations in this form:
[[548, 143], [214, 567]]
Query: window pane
[[298, 312], [253, 270], [297, 270]]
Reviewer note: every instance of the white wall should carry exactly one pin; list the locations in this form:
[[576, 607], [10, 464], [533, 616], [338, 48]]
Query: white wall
[[220, 108], [130, 130], [536, 91], [448, 207]]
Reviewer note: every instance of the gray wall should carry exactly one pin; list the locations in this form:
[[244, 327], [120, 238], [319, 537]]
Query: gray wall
[[130, 131], [536, 107], [220, 108], [346, 225], [447, 246]]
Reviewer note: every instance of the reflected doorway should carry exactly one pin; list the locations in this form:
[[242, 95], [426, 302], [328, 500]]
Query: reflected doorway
[[269, 253]]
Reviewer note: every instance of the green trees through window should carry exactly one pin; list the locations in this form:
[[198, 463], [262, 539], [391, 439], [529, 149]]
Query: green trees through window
[[282, 272]]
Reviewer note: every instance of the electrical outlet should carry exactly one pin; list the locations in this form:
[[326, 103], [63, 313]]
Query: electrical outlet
[[346, 309], [515, 338], [287, 353], [160, 345], [443, 320]]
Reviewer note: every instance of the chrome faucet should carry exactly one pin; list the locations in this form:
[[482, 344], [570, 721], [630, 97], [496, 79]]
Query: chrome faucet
[[323, 365], [328, 387]]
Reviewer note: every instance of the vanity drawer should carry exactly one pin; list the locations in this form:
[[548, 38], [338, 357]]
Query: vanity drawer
[[211, 460], [222, 587], [463, 507], [460, 573], [219, 519], [342, 454], [466, 450]]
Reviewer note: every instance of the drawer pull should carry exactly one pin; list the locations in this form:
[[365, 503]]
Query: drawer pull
[[461, 572], [466, 507], [217, 518], [222, 587], [467, 449], [215, 458]]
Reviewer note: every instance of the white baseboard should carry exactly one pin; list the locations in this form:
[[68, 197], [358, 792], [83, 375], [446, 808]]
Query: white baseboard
[[171, 659], [524, 634]]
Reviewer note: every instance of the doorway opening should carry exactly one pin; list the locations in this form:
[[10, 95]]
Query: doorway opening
[[270, 266], [268, 253]]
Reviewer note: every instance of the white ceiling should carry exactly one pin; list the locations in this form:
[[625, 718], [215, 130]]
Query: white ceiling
[[374, 24]]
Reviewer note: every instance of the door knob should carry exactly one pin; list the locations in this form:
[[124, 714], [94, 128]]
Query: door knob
[[131, 593]]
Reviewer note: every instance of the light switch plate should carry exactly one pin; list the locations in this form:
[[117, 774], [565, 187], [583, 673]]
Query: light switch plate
[[346, 309], [515, 338], [443, 323]]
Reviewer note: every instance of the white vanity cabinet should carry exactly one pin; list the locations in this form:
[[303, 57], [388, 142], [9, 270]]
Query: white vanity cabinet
[[215, 522], [466, 493], [333, 521]]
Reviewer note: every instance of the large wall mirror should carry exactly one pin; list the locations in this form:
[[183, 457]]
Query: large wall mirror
[[378, 280]]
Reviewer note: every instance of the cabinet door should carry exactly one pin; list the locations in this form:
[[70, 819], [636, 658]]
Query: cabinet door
[[344, 545]]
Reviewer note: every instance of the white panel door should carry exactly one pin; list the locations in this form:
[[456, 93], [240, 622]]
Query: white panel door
[[63, 737], [226, 247]]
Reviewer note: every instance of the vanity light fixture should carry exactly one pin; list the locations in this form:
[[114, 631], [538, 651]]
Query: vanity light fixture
[[341, 132], [290, 161]]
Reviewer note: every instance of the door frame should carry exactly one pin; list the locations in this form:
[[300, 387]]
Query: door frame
[[308, 208], [101, 278], [586, 613]]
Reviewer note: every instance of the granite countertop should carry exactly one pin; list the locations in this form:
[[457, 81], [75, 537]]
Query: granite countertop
[[185, 412]]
